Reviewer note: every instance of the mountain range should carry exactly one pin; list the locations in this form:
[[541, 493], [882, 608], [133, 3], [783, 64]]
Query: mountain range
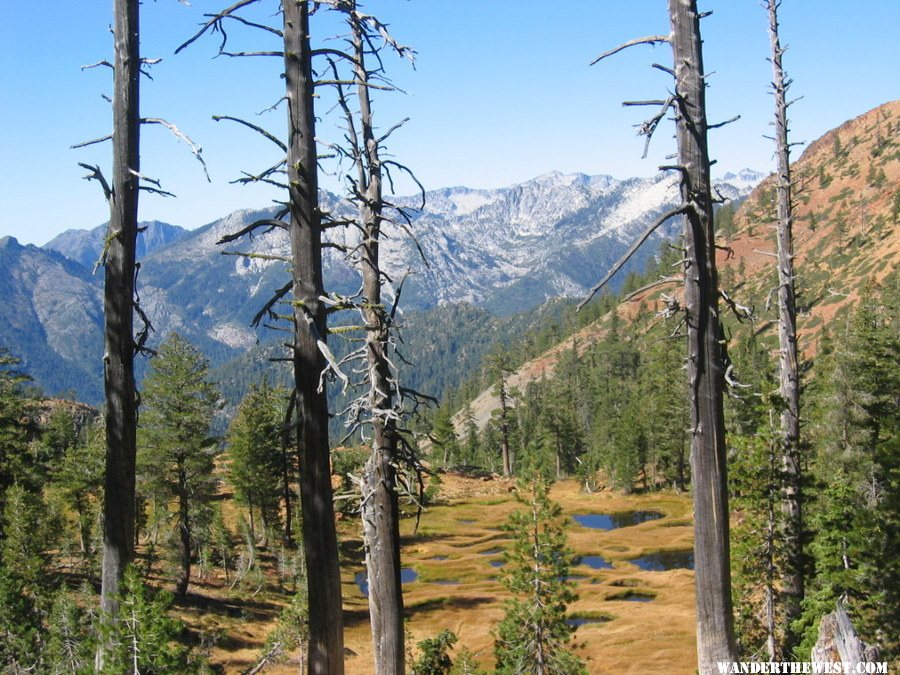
[[504, 250], [846, 197]]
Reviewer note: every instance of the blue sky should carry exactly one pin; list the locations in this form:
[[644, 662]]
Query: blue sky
[[501, 92]]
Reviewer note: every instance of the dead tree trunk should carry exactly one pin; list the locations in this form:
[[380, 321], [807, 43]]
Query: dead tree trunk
[[715, 631], [380, 509], [287, 432], [326, 648], [504, 425], [499, 367], [705, 362], [838, 641], [121, 400], [789, 373], [771, 535], [184, 535]]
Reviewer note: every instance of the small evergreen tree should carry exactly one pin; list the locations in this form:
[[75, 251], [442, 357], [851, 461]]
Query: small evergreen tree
[[145, 638], [534, 636], [466, 664], [176, 451], [255, 451], [13, 428], [70, 640], [79, 477], [20, 626], [470, 446], [444, 434], [434, 654], [855, 517]]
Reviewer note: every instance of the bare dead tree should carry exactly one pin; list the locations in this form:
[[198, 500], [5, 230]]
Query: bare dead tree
[[378, 412], [706, 362], [302, 218], [326, 647], [789, 370], [499, 365], [120, 299], [118, 305]]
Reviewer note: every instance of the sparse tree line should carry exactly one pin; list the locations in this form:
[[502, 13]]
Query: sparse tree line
[[51, 500], [50, 557], [850, 435]]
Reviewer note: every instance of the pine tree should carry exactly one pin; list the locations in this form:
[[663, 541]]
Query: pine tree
[[434, 654], [70, 638], [854, 519], [79, 476], [13, 427], [20, 626], [500, 367], [255, 451], [444, 434], [470, 446], [176, 451], [755, 468], [664, 406], [144, 640], [534, 636]]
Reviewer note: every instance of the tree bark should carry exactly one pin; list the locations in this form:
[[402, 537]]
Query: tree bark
[[789, 372], [771, 534], [118, 376], [326, 641], [380, 509], [287, 537], [838, 641], [715, 631], [184, 536], [504, 426]]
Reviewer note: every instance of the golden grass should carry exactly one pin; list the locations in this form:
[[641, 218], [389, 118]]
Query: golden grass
[[640, 637]]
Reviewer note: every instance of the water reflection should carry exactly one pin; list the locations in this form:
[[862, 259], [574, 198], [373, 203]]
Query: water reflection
[[665, 560], [613, 521], [407, 576]]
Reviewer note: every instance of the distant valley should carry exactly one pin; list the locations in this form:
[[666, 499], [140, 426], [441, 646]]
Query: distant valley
[[505, 251]]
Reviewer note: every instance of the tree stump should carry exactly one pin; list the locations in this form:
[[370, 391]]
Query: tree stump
[[838, 641]]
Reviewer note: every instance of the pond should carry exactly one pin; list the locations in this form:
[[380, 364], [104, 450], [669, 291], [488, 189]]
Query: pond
[[613, 521], [407, 576], [633, 596], [491, 551], [596, 562], [439, 557], [663, 561], [576, 620], [496, 563]]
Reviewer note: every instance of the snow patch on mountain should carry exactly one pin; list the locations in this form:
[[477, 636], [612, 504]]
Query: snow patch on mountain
[[233, 336]]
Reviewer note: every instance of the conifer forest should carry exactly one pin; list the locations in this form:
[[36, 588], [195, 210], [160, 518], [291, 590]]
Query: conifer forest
[[687, 461]]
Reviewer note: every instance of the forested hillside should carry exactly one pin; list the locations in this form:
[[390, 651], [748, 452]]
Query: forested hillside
[[846, 219], [612, 397]]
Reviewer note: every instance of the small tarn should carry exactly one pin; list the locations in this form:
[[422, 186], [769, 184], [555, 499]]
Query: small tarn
[[595, 562], [407, 576], [613, 521], [633, 596], [576, 620], [664, 561]]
